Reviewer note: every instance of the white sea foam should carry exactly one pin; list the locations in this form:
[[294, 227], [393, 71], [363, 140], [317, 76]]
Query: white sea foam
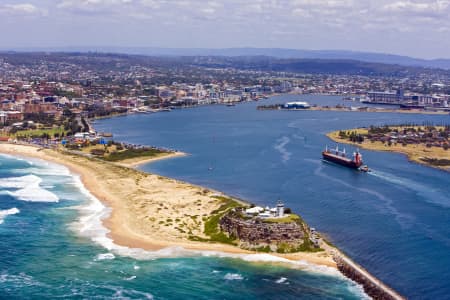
[[233, 276], [27, 188], [130, 278], [7, 212], [118, 292], [281, 280], [105, 256], [20, 279], [44, 170]]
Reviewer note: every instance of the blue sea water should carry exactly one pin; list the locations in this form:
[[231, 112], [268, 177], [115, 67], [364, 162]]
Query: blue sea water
[[394, 221], [53, 246]]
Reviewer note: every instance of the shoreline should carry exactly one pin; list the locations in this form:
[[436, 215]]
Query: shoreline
[[414, 154], [121, 232]]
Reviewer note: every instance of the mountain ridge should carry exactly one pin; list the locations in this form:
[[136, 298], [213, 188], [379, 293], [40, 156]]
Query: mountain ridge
[[285, 53]]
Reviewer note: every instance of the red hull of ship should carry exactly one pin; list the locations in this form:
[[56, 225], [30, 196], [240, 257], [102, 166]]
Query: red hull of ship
[[344, 161]]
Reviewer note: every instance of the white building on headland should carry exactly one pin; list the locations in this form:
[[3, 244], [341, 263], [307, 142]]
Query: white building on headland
[[267, 212]]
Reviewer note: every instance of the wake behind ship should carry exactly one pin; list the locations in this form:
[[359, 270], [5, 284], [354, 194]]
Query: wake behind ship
[[339, 157]]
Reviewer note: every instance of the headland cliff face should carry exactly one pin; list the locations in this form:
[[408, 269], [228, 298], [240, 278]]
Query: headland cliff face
[[259, 234]]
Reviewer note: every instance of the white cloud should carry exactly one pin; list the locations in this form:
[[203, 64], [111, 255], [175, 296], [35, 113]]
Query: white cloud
[[26, 9], [155, 4], [93, 6], [250, 22], [429, 8]]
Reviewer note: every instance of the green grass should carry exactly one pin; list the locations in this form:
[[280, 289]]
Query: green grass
[[133, 153], [39, 132], [288, 219], [212, 229], [227, 204]]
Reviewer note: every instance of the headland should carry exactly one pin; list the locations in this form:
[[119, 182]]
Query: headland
[[427, 145]]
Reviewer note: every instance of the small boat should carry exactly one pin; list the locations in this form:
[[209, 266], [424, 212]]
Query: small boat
[[231, 104]]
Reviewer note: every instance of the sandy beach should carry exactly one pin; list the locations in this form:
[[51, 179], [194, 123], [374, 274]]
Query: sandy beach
[[149, 211]]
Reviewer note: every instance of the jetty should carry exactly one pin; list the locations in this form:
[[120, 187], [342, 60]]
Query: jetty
[[372, 286]]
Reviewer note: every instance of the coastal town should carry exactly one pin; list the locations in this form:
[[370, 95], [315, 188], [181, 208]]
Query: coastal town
[[45, 88]]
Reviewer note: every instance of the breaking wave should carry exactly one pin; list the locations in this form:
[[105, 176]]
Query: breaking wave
[[27, 188], [233, 276], [7, 212]]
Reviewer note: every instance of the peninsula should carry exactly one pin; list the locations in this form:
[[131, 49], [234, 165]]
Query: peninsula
[[428, 145]]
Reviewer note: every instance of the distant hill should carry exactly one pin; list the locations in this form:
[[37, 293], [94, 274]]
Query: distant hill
[[273, 52], [310, 66], [113, 61]]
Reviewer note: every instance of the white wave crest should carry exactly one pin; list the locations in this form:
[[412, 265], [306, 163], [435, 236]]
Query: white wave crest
[[7, 212], [233, 276], [21, 279], [281, 280], [105, 256], [130, 278], [28, 189], [45, 170]]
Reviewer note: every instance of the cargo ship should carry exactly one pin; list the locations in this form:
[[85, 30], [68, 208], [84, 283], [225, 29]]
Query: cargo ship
[[339, 157]]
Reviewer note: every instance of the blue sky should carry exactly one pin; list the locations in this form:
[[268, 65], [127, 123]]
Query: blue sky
[[416, 28]]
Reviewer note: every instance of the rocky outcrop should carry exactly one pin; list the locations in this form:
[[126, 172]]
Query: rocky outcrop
[[255, 232]]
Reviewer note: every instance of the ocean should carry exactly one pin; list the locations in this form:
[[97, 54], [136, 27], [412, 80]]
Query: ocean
[[393, 221]]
